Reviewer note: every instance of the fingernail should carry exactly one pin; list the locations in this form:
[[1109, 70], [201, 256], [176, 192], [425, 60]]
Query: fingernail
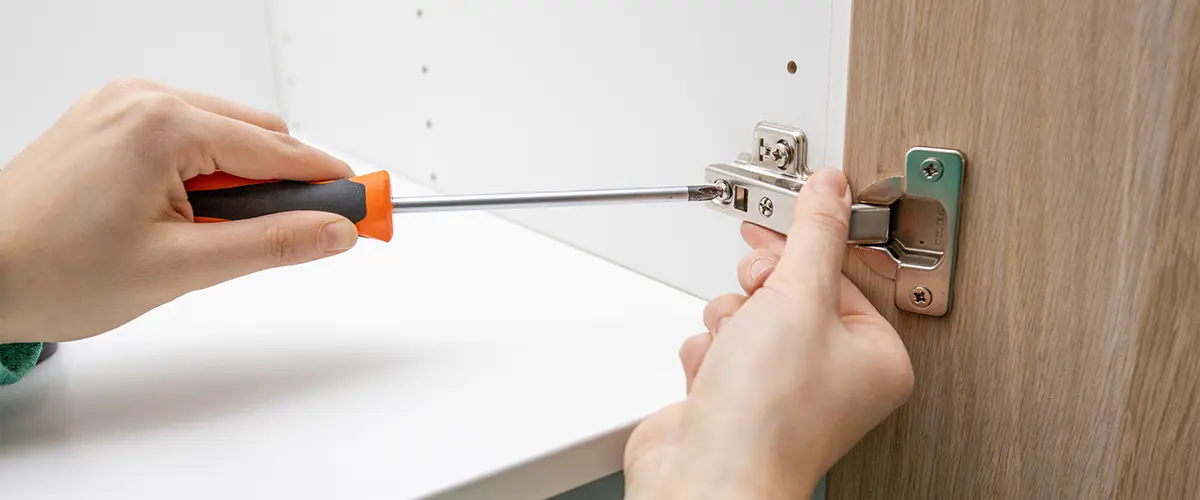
[[829, 182], [760, 266], [337, 236]]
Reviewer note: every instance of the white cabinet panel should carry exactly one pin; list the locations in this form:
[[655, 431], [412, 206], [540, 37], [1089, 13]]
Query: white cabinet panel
[[52, 51], [476, 95]]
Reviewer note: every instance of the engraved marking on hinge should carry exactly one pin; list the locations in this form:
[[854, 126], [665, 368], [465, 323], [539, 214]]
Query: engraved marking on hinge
[[940, 235]]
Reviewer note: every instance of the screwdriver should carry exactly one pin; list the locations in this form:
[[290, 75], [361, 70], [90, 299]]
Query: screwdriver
[[367, 199]]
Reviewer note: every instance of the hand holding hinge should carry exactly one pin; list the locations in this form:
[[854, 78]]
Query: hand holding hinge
[[904, 228]]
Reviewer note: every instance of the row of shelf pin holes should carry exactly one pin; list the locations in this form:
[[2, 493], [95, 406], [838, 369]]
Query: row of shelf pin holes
[[291, 82], [428, 122]]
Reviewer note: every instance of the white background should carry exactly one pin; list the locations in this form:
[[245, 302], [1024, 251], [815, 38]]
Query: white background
[[52, 51]]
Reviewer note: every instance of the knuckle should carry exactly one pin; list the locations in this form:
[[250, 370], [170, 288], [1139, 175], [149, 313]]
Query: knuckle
[[287, 144], [126, 84], [152, 110], [157, 109], [274, 122], [286, 147], [279, 244], [158, 120]]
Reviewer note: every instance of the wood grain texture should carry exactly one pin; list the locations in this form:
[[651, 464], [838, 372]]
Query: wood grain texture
[[1070, 364]]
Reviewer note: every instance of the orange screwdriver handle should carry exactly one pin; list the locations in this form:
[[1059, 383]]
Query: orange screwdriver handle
[[366, 200]]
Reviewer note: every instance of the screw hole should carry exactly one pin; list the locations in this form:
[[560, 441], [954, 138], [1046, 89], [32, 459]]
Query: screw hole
[[922, 242], [433, 176], [420, 13], [791, 67], [424, 69], [428, 123]]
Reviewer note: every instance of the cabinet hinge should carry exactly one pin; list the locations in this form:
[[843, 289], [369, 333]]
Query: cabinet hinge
[[904, 228]]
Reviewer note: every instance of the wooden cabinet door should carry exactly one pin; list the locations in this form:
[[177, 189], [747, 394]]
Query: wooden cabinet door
[[1069, 366]]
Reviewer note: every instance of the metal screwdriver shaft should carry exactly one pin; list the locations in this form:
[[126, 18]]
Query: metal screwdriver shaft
[[447, 203]]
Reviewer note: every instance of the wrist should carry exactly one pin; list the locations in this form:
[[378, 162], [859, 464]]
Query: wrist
[[7, 331], [14, 314], [690, 487], [724, 476]]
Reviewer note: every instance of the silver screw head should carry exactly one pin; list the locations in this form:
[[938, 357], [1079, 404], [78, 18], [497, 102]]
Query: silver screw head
[[921, 297], [932, 169], [780, 154], [726, 191], [766, 207]]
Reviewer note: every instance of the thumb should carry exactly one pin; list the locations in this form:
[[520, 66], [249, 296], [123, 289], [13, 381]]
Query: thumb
[[215, 253], [816, 244]]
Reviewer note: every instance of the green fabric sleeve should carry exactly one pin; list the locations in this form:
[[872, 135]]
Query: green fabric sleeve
[[16, 360]]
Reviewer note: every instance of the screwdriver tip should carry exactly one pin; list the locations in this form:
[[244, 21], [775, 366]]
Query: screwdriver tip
[[706, 192]]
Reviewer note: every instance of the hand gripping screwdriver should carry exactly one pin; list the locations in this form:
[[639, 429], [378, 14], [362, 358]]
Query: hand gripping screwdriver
[[367, 201]]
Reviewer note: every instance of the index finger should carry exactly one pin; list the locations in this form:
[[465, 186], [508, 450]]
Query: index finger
[[761, 238], [247, 114], [252, 152], [212, 104]]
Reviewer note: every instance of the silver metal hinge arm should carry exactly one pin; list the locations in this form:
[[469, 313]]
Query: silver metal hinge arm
[[904, 228]]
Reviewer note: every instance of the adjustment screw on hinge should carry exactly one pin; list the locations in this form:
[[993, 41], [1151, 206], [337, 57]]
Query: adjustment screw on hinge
[[766, 207], [932, 168], [921, 297], [779, 153], [726, 195]]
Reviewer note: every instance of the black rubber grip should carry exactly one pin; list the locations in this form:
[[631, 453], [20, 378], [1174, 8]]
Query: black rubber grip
[[343, 197]]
